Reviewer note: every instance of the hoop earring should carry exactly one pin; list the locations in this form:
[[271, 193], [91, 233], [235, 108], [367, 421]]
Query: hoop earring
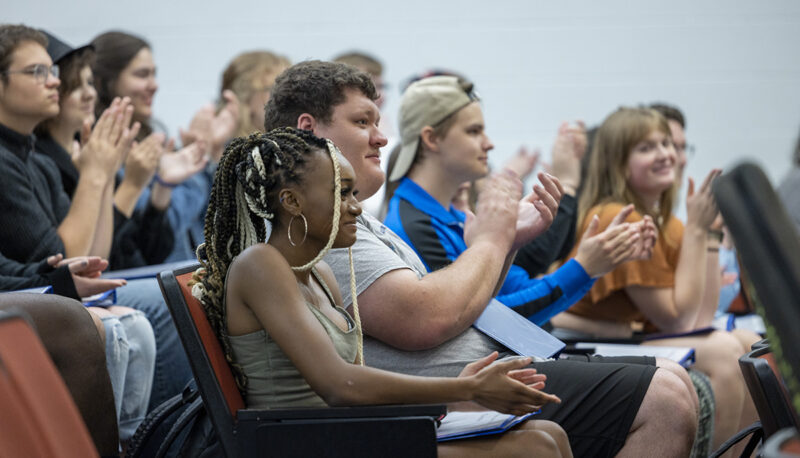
[[305, 230]]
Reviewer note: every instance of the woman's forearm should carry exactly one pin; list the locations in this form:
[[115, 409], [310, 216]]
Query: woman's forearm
[[691, 275], [160, 196], [77, 230], [104, 234], [126, 196], [710, 299], [364, 385]]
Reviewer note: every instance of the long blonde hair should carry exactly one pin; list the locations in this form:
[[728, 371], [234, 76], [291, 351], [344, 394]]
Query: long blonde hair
[[606, 179]]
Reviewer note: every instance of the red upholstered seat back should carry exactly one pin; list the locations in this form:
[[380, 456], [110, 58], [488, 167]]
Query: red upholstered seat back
[[212, 346], [37, 414]]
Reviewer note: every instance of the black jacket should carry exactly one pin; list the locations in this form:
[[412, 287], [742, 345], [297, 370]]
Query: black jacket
[[143, 239]]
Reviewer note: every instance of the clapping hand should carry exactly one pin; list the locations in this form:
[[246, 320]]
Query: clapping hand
[[85, 272], [523, 163], [103, 147], [215, 127], [528, 376], [499, 389], [701, 208], [495, 212], [568, 150], [537, 210], [175, 168], [600, 253], [143, 159]]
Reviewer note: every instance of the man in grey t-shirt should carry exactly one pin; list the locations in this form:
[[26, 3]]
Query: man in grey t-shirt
[[376, 252], [422, 323]]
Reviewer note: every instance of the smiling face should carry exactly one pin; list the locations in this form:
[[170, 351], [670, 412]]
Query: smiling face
[[24, 101], [651, 166], [138, 81], [354, 130], [78, 105], [317, 188], [350, 207], [464, 149]]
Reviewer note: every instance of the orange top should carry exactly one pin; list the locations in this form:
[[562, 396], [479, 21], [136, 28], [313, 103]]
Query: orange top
[[607, 300]]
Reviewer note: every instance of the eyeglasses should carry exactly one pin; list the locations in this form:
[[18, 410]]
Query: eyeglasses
[[40, 72], [686, 149]]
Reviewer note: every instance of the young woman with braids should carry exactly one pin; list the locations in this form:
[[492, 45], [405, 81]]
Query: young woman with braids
[[277, 308]]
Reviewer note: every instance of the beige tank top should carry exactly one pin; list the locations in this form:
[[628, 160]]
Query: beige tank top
[[272, 379]]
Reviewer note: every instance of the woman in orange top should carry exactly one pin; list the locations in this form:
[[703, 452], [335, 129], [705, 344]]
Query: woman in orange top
[[676, 290]]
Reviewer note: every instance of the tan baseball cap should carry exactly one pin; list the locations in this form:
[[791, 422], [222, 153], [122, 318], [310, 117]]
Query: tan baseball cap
[[427, 102]]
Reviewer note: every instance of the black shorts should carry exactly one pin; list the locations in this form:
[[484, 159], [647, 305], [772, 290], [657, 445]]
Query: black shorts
[[599, 399]]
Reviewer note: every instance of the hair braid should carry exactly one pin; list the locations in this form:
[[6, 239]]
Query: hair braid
[[337, 207], [244, 195]]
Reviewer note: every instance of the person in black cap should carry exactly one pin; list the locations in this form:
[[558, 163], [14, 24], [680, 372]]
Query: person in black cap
[[130, 343], [139, 236]]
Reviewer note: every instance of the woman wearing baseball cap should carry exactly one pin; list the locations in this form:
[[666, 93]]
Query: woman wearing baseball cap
[[444, 144]]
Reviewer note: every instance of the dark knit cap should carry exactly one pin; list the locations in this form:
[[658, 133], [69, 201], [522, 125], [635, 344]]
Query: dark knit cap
[[58, 50]]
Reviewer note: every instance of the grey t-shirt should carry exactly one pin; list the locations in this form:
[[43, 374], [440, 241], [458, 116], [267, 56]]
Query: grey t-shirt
[[377, 251]]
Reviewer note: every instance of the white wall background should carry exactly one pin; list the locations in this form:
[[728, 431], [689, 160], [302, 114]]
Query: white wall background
[[733, 66]]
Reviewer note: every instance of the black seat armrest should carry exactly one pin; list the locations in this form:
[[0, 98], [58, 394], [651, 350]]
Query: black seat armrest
[[414, 410]]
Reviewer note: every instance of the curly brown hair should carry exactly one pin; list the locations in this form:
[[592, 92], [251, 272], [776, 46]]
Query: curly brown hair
[[314, 87], [13, 35]]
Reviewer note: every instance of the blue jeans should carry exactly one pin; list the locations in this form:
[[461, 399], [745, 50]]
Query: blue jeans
[[172, 371], [130, 359]]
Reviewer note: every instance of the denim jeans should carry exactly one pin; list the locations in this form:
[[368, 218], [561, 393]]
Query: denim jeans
[[172, 371], [130, 359]]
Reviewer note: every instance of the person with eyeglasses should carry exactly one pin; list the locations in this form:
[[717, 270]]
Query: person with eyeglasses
[[675, 291], [420, 323], [445, 145], [37, 219], [728, 263], [39, 71], [33, 199]]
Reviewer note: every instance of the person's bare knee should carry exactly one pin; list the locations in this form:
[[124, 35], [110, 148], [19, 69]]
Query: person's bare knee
[[666, 411], [525, 440], [718, 345], [746, 338], [557, 433], [541, 444], [683, 375]]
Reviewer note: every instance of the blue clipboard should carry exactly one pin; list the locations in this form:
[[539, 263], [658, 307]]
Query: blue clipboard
[[36, 290], [516, 332], [500, 423]]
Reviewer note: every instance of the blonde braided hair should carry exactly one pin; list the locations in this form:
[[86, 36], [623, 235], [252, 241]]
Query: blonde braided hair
[[337, 207], [243, 198]]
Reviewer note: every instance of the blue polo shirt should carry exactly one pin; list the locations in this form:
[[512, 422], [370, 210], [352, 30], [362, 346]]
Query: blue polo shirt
[[437, 235]]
